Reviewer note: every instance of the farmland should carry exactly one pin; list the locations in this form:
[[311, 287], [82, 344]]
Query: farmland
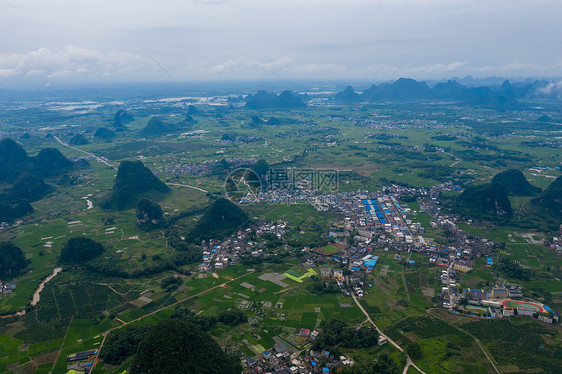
[[279, 291]]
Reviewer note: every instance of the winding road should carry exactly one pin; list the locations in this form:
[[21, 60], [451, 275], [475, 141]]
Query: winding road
[[409, 361], [470, 334]]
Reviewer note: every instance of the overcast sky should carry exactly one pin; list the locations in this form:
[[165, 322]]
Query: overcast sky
[[123, 40]]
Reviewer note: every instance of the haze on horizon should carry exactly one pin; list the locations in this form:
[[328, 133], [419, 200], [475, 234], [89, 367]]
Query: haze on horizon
[[126, 40]]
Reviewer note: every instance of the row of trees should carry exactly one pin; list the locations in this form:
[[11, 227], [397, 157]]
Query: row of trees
[[336, 333]]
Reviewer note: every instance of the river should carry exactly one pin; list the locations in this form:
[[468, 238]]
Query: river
[[37, 294]]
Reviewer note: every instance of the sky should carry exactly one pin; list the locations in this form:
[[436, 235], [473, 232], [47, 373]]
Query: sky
[[376, 40]]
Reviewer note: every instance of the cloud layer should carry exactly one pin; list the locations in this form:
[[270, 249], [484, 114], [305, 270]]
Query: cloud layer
[[256, 39], [70, 62]]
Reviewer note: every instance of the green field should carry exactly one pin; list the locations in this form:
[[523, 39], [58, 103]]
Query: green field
[[371, 146], [329, 249]]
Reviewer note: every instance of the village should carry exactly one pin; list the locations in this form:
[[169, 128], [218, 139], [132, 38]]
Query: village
[[6, 289], [374, 221]]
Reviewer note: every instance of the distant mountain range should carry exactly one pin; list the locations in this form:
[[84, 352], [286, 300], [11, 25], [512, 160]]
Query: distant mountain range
[[266, 100], [405, 89]]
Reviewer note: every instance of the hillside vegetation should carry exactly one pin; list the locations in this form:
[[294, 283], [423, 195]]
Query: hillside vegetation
[[80, 250], [551, 198], [221, 219], [515, 183], [12, 260], [133, 182], [177, 347], [487, 200]]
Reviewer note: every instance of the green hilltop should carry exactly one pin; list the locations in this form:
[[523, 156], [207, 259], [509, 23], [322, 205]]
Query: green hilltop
[[78, 139], [487, 200], [12, 260], [177, 347], [28, 188], [15, 160], [221, 219], [104, 133], [551, 198], [156, 126], [22, 177], [515, 183], [81, 249], [133, 182]]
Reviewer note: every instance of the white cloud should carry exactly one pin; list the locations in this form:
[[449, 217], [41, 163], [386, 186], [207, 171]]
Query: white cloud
[[284, 67], [70, 62], [443, 68], [339, 39], [552, 89]]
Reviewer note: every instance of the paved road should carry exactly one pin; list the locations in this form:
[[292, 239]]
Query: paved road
[[408, 359], [99, 159], [451, 299], [188, 186], [458, 159]]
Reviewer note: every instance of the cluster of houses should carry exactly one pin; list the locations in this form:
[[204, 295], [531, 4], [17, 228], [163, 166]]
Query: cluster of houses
[[241, 139], [505, 301], [80, 362], [6, 289], [218, 255], [308, 361], [379, 124], [206, 167], [556, 243], [377, 220]]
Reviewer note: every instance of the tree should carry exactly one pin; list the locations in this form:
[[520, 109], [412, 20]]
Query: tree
[[232, 317], [80, 250], [204, 322], [177, 347], [414, 351], [171, 283], [336, 333], [12, 260], [261, 167], [122, 343], [149, 215]]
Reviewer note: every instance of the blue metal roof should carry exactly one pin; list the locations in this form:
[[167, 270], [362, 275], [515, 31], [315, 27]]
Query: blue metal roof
[[371, 263]]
